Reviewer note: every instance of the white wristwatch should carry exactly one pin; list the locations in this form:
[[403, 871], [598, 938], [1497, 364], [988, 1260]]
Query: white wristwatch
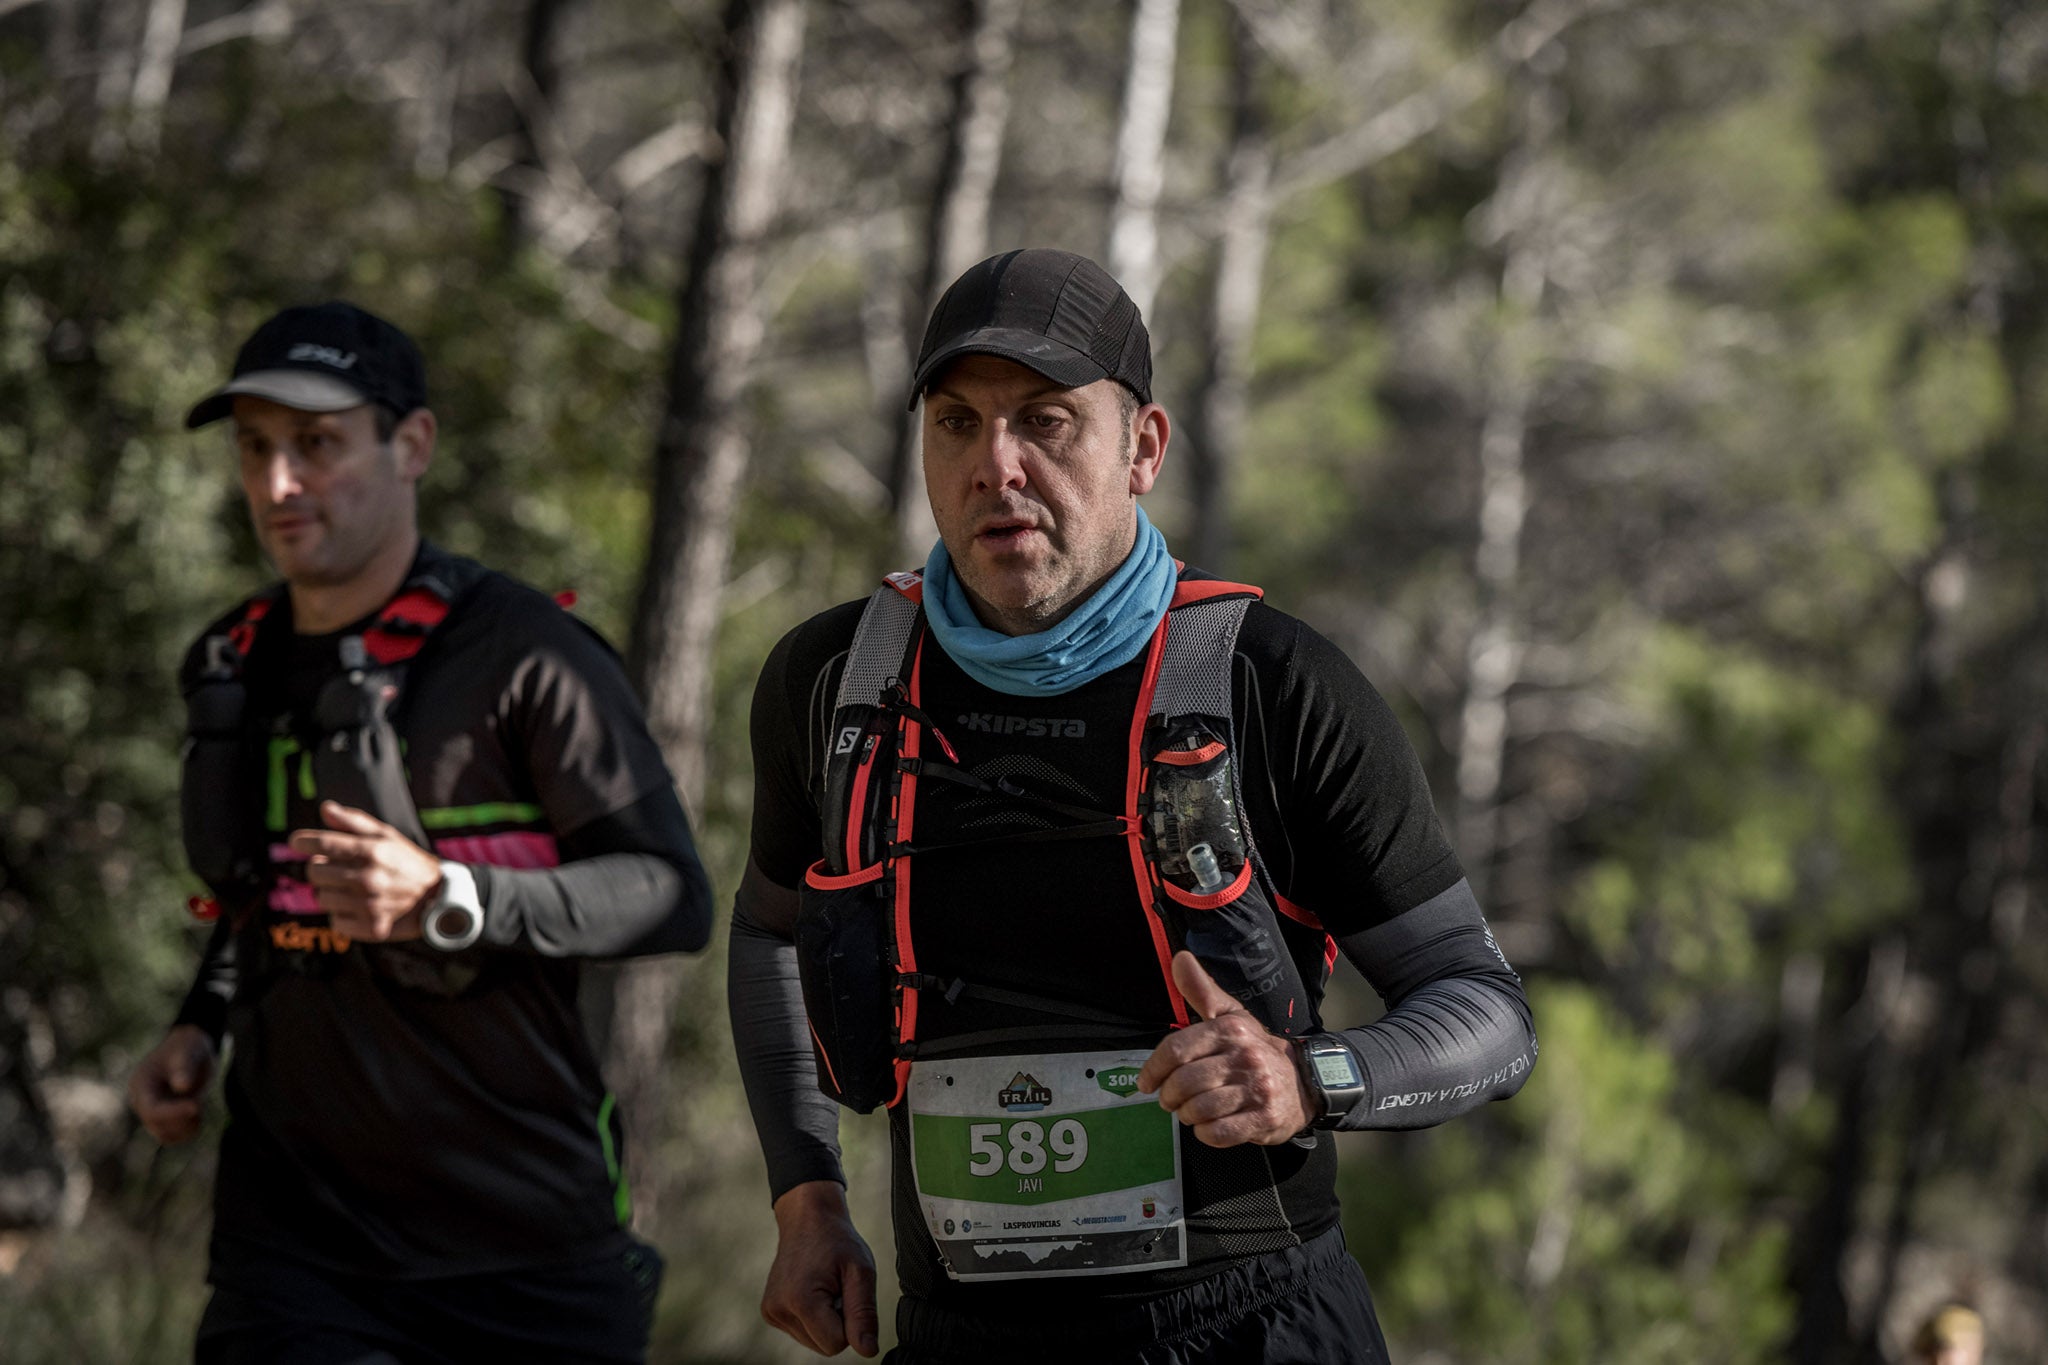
[[455, 919]]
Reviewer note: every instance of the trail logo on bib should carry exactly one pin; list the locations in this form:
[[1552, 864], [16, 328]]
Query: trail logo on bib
[[1023, 1093]]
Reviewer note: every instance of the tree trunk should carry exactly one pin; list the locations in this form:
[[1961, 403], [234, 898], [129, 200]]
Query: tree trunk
[[118, 33], [444, 60], [956, 234], [1233, 311], [1821, 1321], [1493, 654], [536, 84], [1140, 167], [699, 457], [32, 1175], [155, 64]]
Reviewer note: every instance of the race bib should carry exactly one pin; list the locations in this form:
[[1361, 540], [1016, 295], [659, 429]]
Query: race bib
[[1045, 1165]]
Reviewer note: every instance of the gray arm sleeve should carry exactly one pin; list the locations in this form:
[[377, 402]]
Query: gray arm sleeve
[[1457, 1031], [629, 885], [797, 1125]]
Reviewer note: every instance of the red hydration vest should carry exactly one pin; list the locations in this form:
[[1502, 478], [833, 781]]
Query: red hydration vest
[[860, 974]]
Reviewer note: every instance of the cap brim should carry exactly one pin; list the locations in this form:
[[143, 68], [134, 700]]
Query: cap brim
[[1056, 360], [301, 389]]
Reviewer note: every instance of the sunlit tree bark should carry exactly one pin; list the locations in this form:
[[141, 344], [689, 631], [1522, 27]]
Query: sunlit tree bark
[[536, 84], [1494, 651], [700, 457], [956, 232], [156, 62], [1139, 170], [1218, 435]]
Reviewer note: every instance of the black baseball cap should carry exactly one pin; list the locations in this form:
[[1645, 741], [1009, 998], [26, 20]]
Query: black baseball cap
[[322, 357], [1050, 311]]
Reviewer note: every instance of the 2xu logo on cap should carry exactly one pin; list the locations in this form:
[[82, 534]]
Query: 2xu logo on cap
[[324, 355]]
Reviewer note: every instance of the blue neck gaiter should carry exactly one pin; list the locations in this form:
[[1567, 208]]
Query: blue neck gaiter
[[1102, 633]]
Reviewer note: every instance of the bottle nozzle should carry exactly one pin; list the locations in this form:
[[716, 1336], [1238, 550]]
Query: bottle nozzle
[[1202, 862]]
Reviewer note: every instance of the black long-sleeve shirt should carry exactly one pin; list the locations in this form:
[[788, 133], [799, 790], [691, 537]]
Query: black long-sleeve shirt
[[397, 1110]]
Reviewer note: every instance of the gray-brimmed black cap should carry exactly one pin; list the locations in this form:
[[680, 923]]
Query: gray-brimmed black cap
[[323, 357], [1050, 311]]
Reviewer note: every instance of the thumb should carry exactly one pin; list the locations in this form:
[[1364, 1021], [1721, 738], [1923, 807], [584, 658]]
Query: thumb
[[1209, 999], [349, 820], [857, 1303], [186, 1067]]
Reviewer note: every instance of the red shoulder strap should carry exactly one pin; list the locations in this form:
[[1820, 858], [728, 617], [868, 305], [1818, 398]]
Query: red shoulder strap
[[242, 634], [1187, 592], [401, 629], [908, 582]]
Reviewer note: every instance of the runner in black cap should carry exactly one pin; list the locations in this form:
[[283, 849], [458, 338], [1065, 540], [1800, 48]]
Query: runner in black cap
[[422, 795], [1053, 847]]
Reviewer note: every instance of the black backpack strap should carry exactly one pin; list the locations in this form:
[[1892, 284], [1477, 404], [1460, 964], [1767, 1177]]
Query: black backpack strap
[[217, 813], [357, 758]]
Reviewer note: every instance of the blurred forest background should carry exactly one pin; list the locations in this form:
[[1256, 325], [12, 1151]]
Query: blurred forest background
[[1647, 393]]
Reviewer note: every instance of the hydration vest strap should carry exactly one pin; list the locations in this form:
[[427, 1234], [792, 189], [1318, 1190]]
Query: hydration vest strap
[[241, 636], [401, 629], [946, 772], [957, 988], [902, 825], [1034, 1035], [1134, 791], [897, 699], [1195, 674], [358, 760], [1108, 826], [874, 662], [1187, 592], [216, 809]]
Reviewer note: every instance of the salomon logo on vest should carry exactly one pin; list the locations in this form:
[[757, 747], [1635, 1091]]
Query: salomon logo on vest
[[1031, 727]]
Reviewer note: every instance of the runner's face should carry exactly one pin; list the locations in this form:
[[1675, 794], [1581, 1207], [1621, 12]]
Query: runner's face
[[325, 495], [1034, 487]]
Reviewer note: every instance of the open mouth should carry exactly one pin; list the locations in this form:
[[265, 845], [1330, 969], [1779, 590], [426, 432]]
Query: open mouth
[[1005, 531]]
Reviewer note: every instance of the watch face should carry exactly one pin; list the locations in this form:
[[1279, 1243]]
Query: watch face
[[453, 921], [1335, 1071]]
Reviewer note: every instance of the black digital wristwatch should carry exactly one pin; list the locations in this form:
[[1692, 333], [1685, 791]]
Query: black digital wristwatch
[[1335, 1080]]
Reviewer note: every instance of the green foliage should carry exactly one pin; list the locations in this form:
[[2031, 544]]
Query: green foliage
[[1609, 1213], [1759, 825]]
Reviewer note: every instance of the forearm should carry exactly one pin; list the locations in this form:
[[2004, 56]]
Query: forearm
[[612, 905], [630, 885], [1457, 1031], [797, 1125], [213, 987]]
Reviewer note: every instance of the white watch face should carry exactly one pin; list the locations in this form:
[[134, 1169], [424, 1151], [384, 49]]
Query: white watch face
[[1335, 1071]]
